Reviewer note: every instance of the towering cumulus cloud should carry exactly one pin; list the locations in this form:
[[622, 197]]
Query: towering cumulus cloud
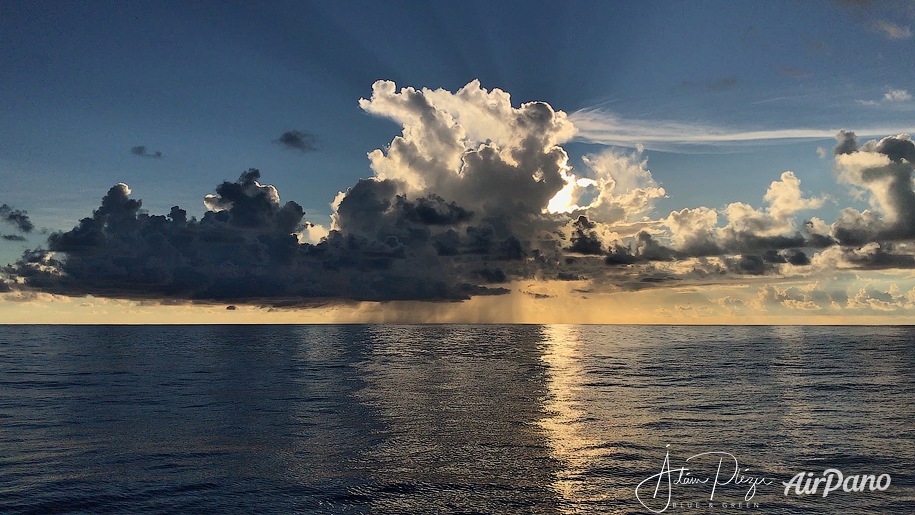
[[474, 193], [471, 148]]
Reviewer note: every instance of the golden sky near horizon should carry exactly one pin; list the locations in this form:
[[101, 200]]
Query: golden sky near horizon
[[530, 302]]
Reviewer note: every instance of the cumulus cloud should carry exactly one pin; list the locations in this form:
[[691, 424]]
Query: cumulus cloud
[[897, 95], [805, 297], [625, 188], [883, 169], [892, 96], [244, 248], [872, 256], [760, 236], [473, 147], [300, 141], [875, 299], [142, 151], [473, 194], [456, 200]]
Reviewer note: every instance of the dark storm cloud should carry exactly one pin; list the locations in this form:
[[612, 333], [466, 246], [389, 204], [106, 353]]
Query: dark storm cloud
[[374, 210], [493, 275], [17, 218], [646, 248], [874, 256], [142, 151], [749, 264], [795, 257], [584, 238], [433, 210], [304, 142], [620, 255], [748, 242], [244, 249], [846, 143], [649, 248]]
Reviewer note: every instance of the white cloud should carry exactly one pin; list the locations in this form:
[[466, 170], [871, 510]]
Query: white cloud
[[471, 146], [597, 125], [622, 188], [804, 297], [892, 96], [891, 299], [897, 95]]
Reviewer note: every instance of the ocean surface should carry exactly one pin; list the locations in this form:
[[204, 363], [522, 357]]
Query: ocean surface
[[454, 419]]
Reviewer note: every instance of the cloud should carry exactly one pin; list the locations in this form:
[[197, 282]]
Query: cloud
[[897, 95], [883, 169], [244, 249], [455, 195], [891, 299], [598, 125], [892, 30], [871, 256], [13, 237], [892, 96], [304, 142], [142, 151], [806, 297], [585, 239], [472, 147], [17, 218], [475, 194], [747, 230]]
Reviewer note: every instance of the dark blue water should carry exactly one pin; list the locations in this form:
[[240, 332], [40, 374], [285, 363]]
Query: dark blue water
[[453, 419]]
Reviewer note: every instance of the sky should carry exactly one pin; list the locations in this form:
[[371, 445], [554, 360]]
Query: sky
[[536, 162]]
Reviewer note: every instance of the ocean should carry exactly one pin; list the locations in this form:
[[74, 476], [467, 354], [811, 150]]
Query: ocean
[[457, 419]]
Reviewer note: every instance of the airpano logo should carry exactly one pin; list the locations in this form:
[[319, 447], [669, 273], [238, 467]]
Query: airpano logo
[[804, 483]]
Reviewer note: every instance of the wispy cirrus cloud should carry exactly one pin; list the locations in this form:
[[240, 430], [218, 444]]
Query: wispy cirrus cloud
[[892, 30], [605, 127]]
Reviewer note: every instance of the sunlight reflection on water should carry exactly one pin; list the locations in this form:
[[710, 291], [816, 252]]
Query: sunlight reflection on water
[[419, 419]]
